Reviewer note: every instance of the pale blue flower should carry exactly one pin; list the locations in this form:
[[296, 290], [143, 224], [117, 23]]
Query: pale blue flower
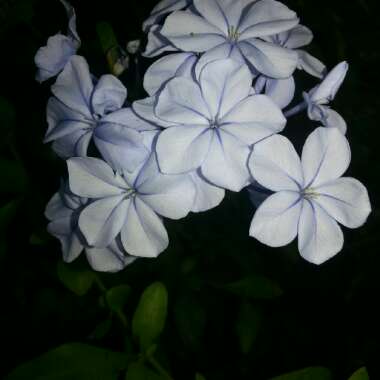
[[82, 110], [211, 123], [310, 195], [63, 212], [235, 29], [129, 206], [208, 196], [52, 58]]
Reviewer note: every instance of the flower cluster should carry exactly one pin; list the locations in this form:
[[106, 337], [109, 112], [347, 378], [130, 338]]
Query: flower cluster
[[217, 101]]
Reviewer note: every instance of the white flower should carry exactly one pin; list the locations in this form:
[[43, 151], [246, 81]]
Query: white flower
[[310, 195], [212, 122], [235, 28], [82, 110], [129, 206], [52, 58], [63, 212], [207, 195], [318, 98]]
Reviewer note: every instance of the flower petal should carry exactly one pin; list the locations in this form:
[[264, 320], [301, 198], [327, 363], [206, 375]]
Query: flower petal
[[276, 220], [182, 149], [334, 120], [253, 119], [281, 91], [110, 259], [310, 64], [144, 108], [222, 51], [319, 236], [72, 28], [298, 37], [224, 83], [127, 117], [62, 229], [143, 234], [346, 200], [166, 68], [327, 90], [102, 220], [190, 32], [161, 10], [269, 59], [275, 164], [74, 144], [326, 156], [120, 146], [74, 86], [157, 43], [267, 17], [52, 58], [207, 195], [226, 162], [93, 178], [181, 102], [109, 95]]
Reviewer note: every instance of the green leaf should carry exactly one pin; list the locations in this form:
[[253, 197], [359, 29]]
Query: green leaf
[[360, 374], [13, 177], [310, 373], [138, 371], [198, 376], [74, 361], [77, 280], [255, 287], [107, 37], [150, 315], [247, 326], [102, 329], [117, 297]]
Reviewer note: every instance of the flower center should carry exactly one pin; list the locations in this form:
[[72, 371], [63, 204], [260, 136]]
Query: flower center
[[214, 123], [130, 193], [310, 193], [233, 33]]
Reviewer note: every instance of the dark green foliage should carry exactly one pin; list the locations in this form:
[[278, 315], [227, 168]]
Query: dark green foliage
[[230, 308]]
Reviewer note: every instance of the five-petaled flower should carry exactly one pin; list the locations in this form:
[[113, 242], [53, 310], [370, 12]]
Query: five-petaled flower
[[310, 195]]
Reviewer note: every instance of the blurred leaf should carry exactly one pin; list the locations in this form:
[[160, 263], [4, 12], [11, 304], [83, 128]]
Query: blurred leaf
[[247, 326], [102, 329], [117, 297], [138, 371], [74, 361], [13, 177], [360, 374], [256, 287], [311, 373], [150, 315], [190, 319], [198, 376], [77, 280], [107, 37]]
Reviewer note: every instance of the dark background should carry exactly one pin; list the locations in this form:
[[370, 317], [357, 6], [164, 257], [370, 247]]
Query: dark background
[[325, 316]]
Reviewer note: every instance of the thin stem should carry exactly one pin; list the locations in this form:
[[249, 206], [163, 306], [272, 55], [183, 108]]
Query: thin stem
[[157, 366], [296, 109], [103, 289]]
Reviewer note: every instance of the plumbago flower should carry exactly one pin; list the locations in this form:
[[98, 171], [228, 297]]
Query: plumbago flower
[[52, 58], [128, 206], [63, 211], [233, 28], [318, 98], [211, 122], [310, 195], [81, 110]]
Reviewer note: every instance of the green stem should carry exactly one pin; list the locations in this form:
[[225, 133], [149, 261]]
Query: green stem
[[157, 366], [103, 289]]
